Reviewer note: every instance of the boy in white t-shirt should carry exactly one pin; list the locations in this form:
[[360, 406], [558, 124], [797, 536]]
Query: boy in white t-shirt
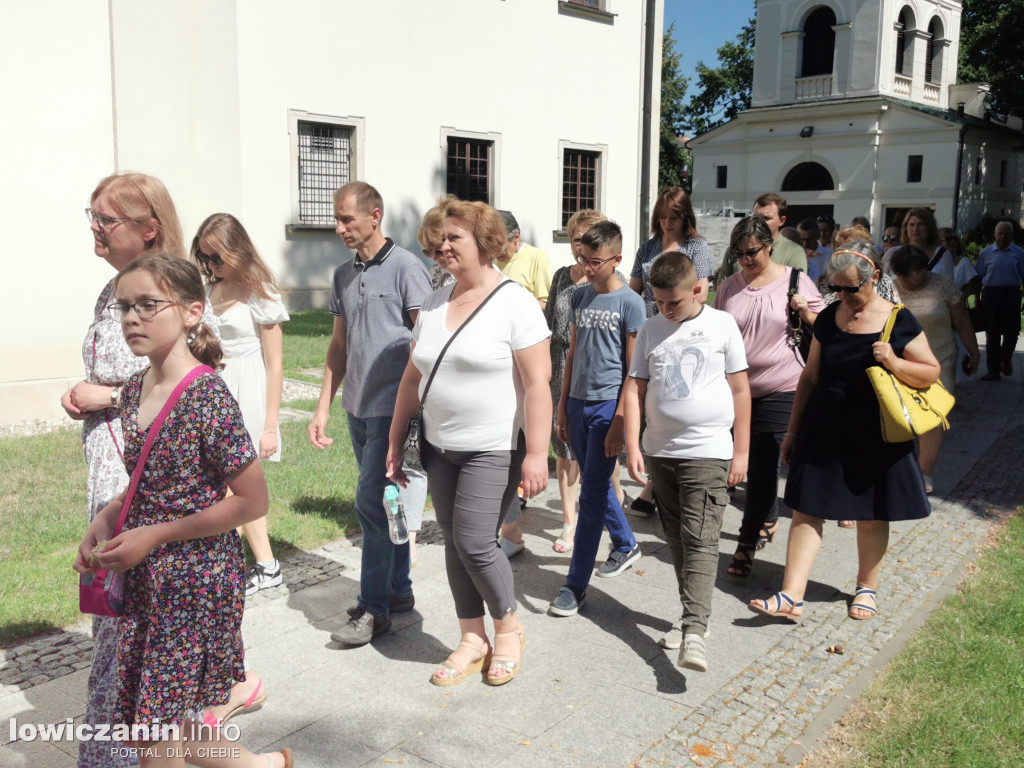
[[689, 374]]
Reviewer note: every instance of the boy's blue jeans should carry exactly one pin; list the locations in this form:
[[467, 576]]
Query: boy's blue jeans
[[599, 507]]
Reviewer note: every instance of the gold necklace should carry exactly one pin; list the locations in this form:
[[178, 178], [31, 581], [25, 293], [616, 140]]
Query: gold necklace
[[483, 292], [467, 301]]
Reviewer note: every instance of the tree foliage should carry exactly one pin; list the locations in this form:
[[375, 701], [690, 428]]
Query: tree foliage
[[724, 91], [991, 51], [673, 159]]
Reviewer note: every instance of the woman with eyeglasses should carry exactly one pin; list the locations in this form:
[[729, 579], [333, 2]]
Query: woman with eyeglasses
[[940, 308], [840, 468], [563, 283], [758, 298], [249, 311], [129, 214]]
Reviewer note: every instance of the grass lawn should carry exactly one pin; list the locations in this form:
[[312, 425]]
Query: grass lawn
[[305, 342], [953, 696], [43, 515]]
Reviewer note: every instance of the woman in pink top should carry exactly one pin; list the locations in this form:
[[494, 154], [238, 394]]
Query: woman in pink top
[[758, 298]]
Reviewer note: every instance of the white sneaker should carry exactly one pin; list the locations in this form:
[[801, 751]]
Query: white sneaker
[[259, 577], [693, 655], [674, 637]]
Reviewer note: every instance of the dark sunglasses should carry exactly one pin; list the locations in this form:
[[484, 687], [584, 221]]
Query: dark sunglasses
[[825, 219], [747, 254], [890, 238], [847, 288], [205, 259]]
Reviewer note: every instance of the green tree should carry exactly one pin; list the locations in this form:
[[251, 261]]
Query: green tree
[[991, 52], [673, 159], [724, 91]]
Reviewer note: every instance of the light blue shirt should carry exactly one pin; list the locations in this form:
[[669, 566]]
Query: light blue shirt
[[1001, 266], [602, 322]]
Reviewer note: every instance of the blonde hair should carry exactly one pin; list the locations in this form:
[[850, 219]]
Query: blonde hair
[[431, 231], [143, 199], [484, 222], [182, 281], [231, 242], [587, 217]]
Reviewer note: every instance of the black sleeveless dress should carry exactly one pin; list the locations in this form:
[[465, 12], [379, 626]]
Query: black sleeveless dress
[[841, 467]]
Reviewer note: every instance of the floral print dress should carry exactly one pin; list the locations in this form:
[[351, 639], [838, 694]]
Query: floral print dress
[[179, 646]]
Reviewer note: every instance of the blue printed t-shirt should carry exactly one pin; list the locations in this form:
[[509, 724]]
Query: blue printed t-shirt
[[602, 321]]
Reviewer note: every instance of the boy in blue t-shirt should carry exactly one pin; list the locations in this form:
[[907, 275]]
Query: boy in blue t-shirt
[[604, 317], [689, 375]]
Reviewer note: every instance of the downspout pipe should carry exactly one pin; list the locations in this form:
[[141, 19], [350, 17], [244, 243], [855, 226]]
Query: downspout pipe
[[959, 176], [648, 109]]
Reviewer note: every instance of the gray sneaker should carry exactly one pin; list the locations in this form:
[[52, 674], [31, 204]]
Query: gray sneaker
[[618, 562], [693, 655], [673, 639], [567, 603], [361, 628]]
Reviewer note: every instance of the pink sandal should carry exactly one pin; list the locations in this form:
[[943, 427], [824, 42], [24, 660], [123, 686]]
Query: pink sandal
[[253, 703]]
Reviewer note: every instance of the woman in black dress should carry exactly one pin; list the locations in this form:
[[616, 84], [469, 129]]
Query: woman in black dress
[[840, 468]]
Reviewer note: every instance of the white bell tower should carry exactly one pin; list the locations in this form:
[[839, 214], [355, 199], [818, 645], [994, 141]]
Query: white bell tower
[[815, 50]]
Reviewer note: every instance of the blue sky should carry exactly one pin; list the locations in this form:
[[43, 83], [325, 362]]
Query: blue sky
[[702, 26]]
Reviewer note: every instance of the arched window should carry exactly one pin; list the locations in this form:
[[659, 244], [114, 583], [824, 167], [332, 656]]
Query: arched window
[[904, 24], [819, 42], [933, 53], [808, 177]]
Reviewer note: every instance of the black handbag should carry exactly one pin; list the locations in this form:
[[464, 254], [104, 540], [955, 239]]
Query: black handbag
[[414, 431], [799, 335]]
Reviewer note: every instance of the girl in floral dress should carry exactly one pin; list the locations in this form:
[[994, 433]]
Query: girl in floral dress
[[179, 644], [129, 214]]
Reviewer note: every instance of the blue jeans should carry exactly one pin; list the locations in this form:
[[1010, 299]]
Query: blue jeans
[[385, 565], [599, 505]]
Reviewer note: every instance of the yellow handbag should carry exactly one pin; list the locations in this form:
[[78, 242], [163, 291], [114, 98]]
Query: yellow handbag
[[907, 412]]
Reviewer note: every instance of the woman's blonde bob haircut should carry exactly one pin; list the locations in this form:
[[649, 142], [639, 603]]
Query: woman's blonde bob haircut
[[145, 199], [587, 217], [431, 231], [484, 222]]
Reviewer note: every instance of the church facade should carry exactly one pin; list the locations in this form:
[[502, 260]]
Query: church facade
[[855, 112]]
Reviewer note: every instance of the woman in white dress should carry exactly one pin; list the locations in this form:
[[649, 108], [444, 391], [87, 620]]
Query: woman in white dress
[[249, 313]]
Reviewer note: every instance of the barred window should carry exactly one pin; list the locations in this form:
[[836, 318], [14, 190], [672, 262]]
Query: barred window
[[469, 169], [324, 165], [579, 181]]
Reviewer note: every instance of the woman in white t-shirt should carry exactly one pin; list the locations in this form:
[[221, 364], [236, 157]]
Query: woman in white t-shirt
[[486, 425]]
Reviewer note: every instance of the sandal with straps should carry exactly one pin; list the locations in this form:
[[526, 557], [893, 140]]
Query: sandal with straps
[[871, 610], [510, 666], [562, 544], [289, 758], [740, 567], [782, 600], [454, 675], [766, 534]]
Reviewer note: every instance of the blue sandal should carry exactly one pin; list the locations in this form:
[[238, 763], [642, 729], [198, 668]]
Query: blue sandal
[[783, 609], [871, 610]]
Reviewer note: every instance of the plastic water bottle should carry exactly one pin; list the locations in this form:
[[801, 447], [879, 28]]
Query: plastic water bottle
[[398, 529]]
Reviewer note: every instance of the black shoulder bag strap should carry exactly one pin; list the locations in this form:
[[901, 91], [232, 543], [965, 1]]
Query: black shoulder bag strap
[[936, 257], [798, 337], [444, 349]]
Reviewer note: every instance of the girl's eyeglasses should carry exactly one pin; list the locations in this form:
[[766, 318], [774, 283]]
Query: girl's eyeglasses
[[847, 288], [146, 309], [205, 259]]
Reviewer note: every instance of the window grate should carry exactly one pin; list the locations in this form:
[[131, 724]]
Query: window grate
[[579, 182], [324, 166], [469, 169]]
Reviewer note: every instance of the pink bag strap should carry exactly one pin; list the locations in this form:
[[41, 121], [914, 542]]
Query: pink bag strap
[[154, 430]]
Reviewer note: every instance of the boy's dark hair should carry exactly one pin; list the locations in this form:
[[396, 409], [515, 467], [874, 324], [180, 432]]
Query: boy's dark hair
[[604, 234], [672, 269]]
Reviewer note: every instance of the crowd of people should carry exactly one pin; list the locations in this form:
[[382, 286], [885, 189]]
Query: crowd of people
[[499, 361]]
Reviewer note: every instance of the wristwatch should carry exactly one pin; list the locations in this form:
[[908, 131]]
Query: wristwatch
[[115, 394]]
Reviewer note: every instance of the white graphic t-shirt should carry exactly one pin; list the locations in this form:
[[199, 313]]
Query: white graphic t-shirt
[[689, 401]]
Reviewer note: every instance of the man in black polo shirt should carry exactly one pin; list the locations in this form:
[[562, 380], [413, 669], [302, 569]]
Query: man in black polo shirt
[[374, 300]]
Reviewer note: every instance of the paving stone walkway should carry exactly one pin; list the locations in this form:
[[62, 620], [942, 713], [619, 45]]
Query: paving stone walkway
[[596, 690]]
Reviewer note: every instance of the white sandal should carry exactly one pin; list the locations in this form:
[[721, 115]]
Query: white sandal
[[562, 544]]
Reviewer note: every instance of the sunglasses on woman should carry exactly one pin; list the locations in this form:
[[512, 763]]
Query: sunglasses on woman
[[847, 288], [205, 259]]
